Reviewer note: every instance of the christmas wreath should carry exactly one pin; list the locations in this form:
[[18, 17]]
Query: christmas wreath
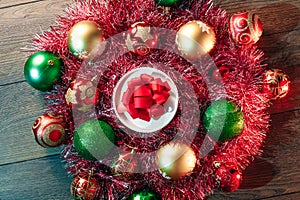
[[153, 99]]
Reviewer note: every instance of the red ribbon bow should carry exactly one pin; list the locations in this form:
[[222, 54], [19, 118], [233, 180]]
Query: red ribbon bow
[[145, 97]]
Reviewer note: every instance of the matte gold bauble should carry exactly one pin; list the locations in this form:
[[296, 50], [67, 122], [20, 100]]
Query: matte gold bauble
[[195, 39], [83, 38], [175, 160]]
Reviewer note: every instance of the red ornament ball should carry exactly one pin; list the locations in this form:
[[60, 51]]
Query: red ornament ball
[[81, 95], [141, 38], [49, 131], [85, 188], [221, 73], [230, 179], [245, 28], [276, 84], [125, 165]]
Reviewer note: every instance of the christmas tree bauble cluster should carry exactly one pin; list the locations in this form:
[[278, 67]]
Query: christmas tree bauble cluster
[[130, 131]]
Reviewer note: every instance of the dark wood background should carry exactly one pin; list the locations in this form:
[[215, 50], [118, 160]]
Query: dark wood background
[[30, 172]]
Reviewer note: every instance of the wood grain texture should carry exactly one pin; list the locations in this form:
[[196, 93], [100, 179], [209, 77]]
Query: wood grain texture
[[41, 179], [9, 3], [294, 196], [20, 106], [28, 171], [278, 173], [281, 26], [17, 27], [280, 40]]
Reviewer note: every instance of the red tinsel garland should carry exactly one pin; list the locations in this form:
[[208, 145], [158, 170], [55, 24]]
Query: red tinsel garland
[[242, 87]]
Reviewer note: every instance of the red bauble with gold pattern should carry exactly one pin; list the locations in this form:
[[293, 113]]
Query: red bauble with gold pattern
[[85, 187], [141, 38], [81, 95], [49, 131], [276, 84], [245, 28], [125, 165], [229, 178]]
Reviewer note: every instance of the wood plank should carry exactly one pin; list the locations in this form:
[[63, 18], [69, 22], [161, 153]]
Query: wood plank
[[27, 105], [18, 24], [280, 41], [277, 16], [259, 7], [293, 196], [7, 3], [20, 106], [278, 173], [17, 27], [41, 179]]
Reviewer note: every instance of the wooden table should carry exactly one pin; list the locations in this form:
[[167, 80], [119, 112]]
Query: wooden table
[[30, 172]]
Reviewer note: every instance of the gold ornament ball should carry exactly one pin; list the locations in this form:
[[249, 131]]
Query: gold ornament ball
[[83, 38], [176, 160], [195, 39]]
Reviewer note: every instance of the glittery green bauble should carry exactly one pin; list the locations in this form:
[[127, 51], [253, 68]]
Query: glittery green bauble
[[144, 195], [169, 3], [94, 139], [42, 69], [223, 120]]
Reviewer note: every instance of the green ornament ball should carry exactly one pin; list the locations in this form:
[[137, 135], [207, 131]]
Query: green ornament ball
[[169, 3], [144, 195], [223, 120], [42, 70], [94, 139]]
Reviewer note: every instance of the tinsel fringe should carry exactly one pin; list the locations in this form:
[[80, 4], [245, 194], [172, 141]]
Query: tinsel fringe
[[242, 87]]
